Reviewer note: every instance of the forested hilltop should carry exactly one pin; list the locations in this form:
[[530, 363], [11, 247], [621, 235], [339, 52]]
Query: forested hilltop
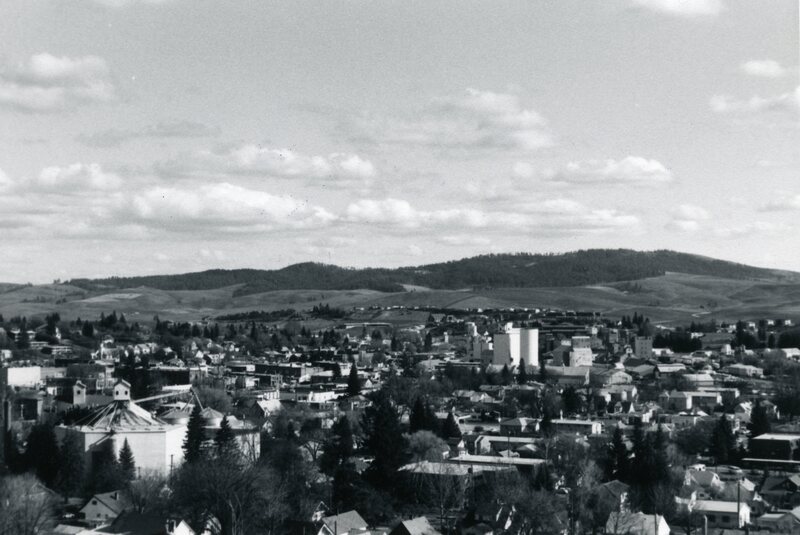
[[577, 268]]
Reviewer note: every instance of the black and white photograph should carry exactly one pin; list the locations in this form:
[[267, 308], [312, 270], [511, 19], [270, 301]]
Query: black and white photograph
[[384, 267]]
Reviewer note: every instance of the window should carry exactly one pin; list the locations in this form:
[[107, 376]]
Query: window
[[726, 519], [712, 518]]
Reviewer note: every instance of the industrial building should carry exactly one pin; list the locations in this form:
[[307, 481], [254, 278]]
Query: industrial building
[[515, 344], [156, 445]]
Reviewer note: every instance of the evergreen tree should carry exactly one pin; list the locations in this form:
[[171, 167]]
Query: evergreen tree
[[759, 421], [571, 400], [72, 466], [660, 471], [505, 375], [87, 329], [723, 441], [546, 424], [617, 459], [450, 428], [353, 382], [522, 373], [383, 438], [428, 342], [105, 474], [542, 372], [195, 435], [417, 419], [339, 447], [42, 453], [127, 465], [225, 442]]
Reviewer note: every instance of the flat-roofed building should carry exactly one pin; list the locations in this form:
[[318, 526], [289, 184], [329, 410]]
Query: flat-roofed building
[[775, 446]]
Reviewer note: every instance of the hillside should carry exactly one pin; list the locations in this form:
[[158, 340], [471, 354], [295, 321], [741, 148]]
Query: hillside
[[580, 268]]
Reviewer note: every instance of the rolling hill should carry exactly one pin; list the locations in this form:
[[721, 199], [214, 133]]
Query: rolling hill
[[664, 285], [580, 268]]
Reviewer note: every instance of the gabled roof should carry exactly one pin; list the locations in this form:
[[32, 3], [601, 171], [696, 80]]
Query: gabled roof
[[417, 526], [116, 501], [342, 523]]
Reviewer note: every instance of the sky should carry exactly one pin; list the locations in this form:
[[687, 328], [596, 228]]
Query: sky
[[166, 136]]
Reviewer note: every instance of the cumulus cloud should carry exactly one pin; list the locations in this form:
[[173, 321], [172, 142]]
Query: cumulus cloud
[[753, 228], [683, 8], [251, 159], [691, 211], [688, 218], [789, 101], [629, 170], [782, 204], [223, 206], [162, 130], [552, 216], [5, 181], [473, 119], [48, 83], [763, 68], [73, 179]]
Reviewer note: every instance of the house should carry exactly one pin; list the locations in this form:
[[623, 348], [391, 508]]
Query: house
[[722, 514], [569, 376], [519, 426], [743, 370], [582, 427], [415, 526], [627, 523], [782, 491], [706, 484], [342, 524], [612, 496], [779, 522], [104, 508], [603, 377], [132, 523]]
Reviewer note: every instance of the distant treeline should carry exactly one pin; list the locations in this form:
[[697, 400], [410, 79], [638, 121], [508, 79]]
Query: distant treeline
[[488, 271], [259, 315]]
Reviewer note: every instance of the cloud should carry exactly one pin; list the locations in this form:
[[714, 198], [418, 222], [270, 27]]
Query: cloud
[[472, 120], [73, 179], [251, 159], [765, 68], [5, 181], [48, 83], [162, 130], [126, 3], [629, 170], [783, 204], [464, 239], [683, 8], [523, 170], [683, 225], [555, 216], [753, 228], [691, 211], [756, 104], [220, 207]]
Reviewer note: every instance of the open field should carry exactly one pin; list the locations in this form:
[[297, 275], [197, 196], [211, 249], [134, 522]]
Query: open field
[[672, 297]]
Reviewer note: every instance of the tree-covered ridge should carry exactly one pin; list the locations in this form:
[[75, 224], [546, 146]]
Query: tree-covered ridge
[[577, 268]]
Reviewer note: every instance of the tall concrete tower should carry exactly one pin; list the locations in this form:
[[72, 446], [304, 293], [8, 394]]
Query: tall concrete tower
[[529, 347]]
